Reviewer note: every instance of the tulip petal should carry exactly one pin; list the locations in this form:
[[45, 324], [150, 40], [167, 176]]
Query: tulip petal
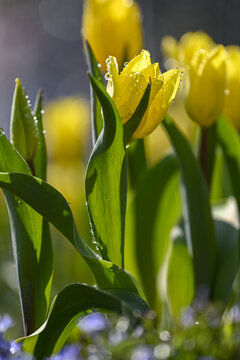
[[160, 104]]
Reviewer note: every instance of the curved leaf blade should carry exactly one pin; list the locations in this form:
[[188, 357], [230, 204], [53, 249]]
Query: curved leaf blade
[[96, 114], [71, 303], [157, 196], [31, 246], [48, 202], [228, 139], [106, 182], [198, 221]]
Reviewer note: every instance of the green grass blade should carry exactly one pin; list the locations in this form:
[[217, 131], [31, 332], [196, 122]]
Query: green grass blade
[[198, 221], [106, 182]]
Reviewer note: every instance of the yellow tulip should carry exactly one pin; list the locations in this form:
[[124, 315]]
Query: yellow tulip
[[183, 50], [127, 89], [232, 103], [112, 27], [67, 129], [205, 83]]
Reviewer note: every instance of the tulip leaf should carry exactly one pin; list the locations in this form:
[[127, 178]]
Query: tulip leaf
[[96, 114], [106, 182], [137, 162], [48, 202], [132, 124], [227, 260], [180, 277], [31, 246], [40, 157], [228, 139], [71, 303], [198, 221], [156, 196]]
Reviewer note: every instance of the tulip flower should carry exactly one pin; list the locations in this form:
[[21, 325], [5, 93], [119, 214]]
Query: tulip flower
[[112, 27], [127, 89], [232, 104], [205, 84], [182, 51]]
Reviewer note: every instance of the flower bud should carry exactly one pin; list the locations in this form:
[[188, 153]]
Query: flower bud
[[182, 51], [232, 105], [205, 83], [23, 127], [112, 27]]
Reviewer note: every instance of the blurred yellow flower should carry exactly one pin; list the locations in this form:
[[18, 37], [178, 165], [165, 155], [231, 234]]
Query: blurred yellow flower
[[232, 103], [127, 89], [181, 52], [67, 128], [205, 83], [112, 27]]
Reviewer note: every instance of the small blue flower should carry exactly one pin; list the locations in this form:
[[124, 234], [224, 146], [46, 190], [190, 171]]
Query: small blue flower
[[142, 353], [5, 323], [93, 323], [69, 352]]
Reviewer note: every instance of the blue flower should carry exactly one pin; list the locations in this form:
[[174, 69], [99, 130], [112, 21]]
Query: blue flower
[[5, 323], [93, 323], [69, 352], [144, 352]]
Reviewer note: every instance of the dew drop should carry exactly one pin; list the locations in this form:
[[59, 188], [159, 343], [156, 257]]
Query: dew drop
[[226, 92], [108, 76], [2, 132], [44, 132], [42, 112], [99, 65], [27, 97], [19, 201], [125, 64]]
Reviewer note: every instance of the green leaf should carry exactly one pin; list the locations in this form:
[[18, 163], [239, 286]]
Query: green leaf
[[46, 200], [106, 182], [197, 214], [132, 124], [137, 163], [31, 246], [96, 114], [180, 278], [72, 302], [227, 260], [40, 158], [157, 196], [23, 129], [228, 139]]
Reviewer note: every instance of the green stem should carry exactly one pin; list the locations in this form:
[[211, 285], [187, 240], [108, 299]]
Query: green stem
[[207, 152]]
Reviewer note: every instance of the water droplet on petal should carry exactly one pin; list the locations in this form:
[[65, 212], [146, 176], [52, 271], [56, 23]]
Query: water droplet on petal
[[42, 112], [44, 132], [2, 132], [226, 92]]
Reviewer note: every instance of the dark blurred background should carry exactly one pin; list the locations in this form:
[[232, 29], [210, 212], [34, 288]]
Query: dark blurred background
[[40, 40]]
